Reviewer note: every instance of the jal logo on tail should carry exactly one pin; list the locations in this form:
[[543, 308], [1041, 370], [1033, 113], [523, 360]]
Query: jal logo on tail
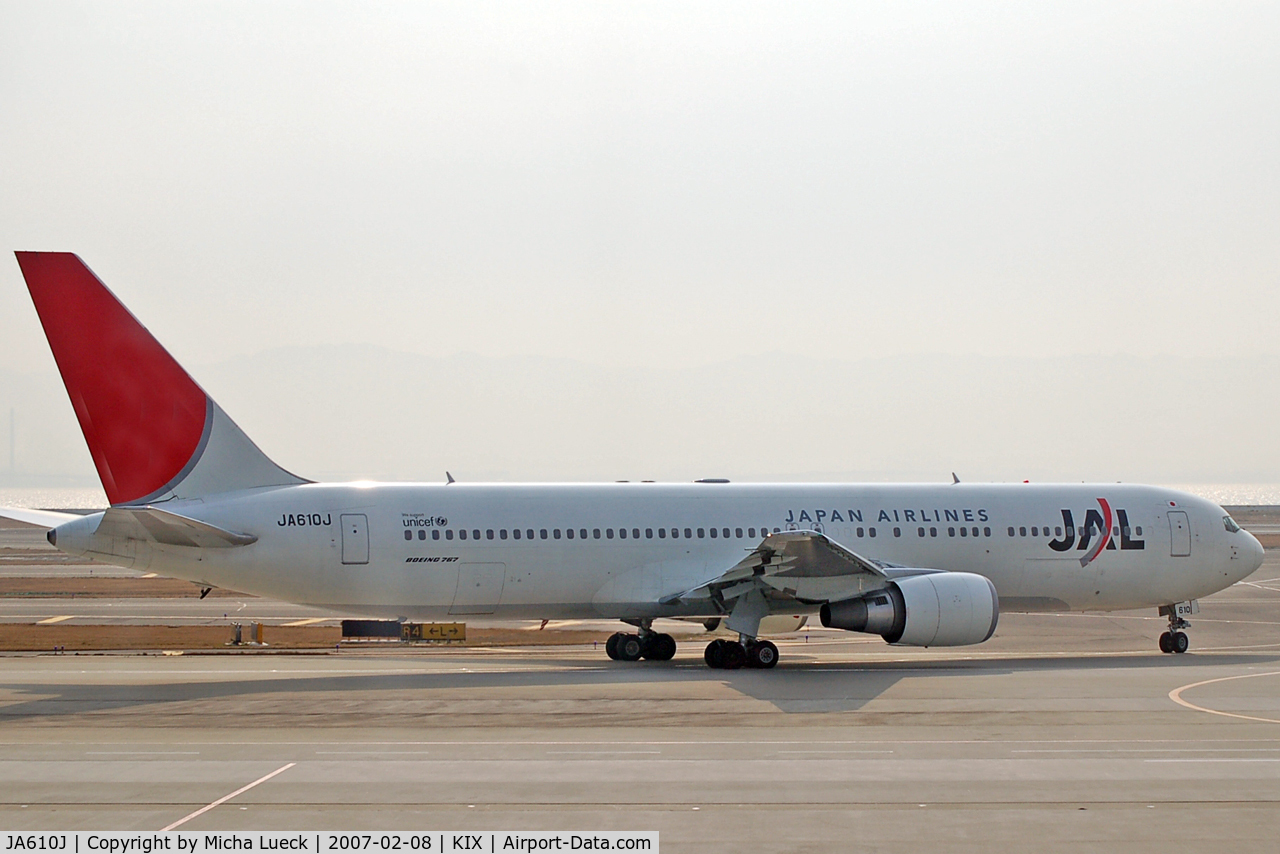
[[1097, 523]]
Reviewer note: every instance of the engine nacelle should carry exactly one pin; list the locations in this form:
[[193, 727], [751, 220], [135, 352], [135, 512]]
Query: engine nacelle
[[936, 609]]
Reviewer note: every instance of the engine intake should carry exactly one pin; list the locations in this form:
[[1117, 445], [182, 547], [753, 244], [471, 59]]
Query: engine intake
[[934, 609]]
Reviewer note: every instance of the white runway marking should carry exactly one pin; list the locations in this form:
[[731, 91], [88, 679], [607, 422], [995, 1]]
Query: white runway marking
[[142, 753], [1211, 759], [51, 620], [311, 621], [1176, 696], [225, 798]]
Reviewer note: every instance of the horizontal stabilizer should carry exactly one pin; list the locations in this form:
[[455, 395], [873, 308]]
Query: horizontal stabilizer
[[162, 526], [43, 518]]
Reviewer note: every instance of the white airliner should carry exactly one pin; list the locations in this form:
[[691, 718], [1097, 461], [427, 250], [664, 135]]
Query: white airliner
[[927, 565]]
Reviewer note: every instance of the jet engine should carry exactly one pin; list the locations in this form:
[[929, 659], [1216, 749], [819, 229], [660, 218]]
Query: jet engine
[[933, 609]]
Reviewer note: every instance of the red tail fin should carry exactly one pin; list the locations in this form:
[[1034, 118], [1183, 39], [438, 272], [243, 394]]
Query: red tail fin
[[141, 414], [146, 421]]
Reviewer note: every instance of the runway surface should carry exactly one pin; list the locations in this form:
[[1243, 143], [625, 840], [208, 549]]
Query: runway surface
[[1062, 733], [1062, 736]]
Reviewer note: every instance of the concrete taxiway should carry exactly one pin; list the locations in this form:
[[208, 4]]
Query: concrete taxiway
[[1062, 733]]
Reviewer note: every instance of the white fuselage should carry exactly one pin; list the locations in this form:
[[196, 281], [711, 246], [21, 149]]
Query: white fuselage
[[568, 551]]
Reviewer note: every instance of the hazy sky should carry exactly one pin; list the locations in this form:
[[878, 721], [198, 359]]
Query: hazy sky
[[653, 185]]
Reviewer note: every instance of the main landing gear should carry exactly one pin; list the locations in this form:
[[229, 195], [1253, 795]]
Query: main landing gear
[[749, 652], [1175, 640], [649, 645]]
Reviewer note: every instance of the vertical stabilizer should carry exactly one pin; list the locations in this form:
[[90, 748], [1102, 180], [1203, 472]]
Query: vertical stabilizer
[[153, 433]]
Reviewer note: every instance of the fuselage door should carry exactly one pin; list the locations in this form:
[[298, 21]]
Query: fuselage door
[[1179, 534], [479, 588], [355, 538]]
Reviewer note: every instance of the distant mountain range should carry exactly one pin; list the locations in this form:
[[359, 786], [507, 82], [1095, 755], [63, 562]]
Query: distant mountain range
[[367, 412]]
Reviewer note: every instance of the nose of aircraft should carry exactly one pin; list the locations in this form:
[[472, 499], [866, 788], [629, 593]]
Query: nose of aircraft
[[1254, 553]]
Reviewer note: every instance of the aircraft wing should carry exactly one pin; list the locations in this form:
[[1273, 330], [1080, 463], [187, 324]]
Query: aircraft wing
[[787, 567]]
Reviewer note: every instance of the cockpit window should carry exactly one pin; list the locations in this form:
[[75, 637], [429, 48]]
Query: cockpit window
[[1232, 527]]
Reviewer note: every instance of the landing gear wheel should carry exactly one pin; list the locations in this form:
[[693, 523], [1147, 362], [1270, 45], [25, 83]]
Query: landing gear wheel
[[629, 648], [714, 654], [1166, 642], [659, 648], [1180, 642], [762, 654], [611, 645], [733, 655]]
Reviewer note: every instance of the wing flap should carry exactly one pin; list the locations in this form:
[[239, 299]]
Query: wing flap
[[788, 565]]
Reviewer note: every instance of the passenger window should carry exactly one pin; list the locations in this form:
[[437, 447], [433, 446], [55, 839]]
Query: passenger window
[[951, 532], [582, 533], [556, 533], [568, 532], [475, 533], [860, 532], [408, 535], [871, 532], [543, 533], [435, 535], [1035, 532], [662, 533], [737, 532], [1139, 530], [964, 532], [986, 532], [595, 532], [933, 532], [622, 533], [635, 533], [462, 534], [975, 532], [422, 533], [714, 533], [920, 532], [1022, 532], [648, 533], [688, 534], [1057, 532], [448, 535], [502, 534], [1115, 532], [724, 532], [488, 535], [751, 532], [609, 533], [702, 534], [515, 533], [1011, 530], [897, 532]]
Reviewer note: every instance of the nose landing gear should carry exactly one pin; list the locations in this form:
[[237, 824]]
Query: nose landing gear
[[1175, 640]]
